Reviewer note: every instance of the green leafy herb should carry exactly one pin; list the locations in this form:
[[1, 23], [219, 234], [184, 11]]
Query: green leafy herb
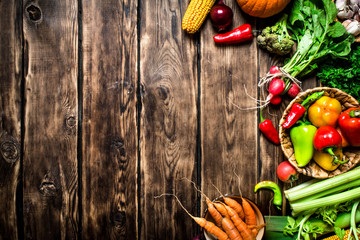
[[317, 34], [342, 73]]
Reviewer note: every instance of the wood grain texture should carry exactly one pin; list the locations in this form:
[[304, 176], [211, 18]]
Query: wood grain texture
[[109, 180], [10, 115], [228, 134], [51, 111], [168, 122]]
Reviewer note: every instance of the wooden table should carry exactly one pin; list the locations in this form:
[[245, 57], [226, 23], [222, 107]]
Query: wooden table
[[107, 104]]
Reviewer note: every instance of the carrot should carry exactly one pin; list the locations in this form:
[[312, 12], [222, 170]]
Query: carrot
[[250, 216], [222, 210], [236, 206], [245, 232], [211, 228], [211, 208], [202, 222], [214, 212], [233, 204], [230, 229]]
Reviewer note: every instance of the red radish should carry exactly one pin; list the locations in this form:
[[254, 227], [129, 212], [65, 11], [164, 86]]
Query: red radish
[[274, 69], [275, 100], [287, 172], [293, 90], [276, 87]]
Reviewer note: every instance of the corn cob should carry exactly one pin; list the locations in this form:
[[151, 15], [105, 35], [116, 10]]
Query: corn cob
[[335, 237], [195, 14]]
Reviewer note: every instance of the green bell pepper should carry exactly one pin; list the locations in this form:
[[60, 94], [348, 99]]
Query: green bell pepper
[[302, 139]]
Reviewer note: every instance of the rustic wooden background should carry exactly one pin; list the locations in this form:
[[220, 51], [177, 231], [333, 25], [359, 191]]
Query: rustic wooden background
[[107, 104]]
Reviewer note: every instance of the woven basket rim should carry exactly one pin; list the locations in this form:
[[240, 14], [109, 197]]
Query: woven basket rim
[[312, 169]]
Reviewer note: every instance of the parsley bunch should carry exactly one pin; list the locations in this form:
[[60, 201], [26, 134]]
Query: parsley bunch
[[343, 74]]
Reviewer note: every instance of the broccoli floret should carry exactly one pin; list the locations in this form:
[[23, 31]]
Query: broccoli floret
[[276, 39]]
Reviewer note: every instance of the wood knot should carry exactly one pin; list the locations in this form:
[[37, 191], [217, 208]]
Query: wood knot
[[70, 121], [9, 148], [34, 13], [47, 187], [118, 218]]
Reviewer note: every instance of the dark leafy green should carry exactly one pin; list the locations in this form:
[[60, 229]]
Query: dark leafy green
[[342, 73], [317, 34]]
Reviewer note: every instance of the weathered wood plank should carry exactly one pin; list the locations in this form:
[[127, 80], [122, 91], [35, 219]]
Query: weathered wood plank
[[228, 135], [168, 123], [10, 115], [51, 113], [109, 168]]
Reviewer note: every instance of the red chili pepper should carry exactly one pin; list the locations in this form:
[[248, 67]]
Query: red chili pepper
[[328, 139], [240, 34], [268, 129], [298, 110], [349, 123]]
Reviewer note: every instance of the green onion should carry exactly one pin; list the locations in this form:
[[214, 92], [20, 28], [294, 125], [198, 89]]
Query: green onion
[[324, 185], [326, 201]]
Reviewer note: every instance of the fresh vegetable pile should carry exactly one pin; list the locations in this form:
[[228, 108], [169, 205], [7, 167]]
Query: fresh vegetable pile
[[312, 39], [325, 206], [318, 36], [319, 130]]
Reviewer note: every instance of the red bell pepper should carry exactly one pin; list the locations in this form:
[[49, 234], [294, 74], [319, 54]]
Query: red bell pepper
[[349, 123], [268, 129], [298, 110], [240, 34], [328, 139]]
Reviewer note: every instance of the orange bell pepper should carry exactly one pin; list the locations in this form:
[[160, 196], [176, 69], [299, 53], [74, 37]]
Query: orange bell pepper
[[325, 112]]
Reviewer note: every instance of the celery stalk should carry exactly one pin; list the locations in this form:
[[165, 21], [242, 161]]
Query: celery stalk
[[324, 185], [326, 201], [337, 189], [302, 185], [353, 220]]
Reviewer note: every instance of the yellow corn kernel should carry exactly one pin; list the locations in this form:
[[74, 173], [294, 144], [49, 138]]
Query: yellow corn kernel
[[335, 237], [195, 14]]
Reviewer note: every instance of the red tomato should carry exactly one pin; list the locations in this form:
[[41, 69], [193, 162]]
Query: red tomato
[[287, 172]]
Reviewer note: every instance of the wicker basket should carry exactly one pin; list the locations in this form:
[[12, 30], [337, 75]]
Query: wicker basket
[[312, 169]]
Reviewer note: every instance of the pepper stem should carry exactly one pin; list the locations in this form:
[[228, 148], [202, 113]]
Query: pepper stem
[[355, 113], [312, 98], [261, 117], [336, 159]]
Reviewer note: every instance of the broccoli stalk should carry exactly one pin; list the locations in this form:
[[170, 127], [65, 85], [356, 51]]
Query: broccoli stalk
[[276, 39]]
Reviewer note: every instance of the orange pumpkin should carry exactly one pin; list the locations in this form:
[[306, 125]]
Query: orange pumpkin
[[262, 8]]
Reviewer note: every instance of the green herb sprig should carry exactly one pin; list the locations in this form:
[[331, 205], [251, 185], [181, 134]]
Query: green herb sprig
[[343, 74]]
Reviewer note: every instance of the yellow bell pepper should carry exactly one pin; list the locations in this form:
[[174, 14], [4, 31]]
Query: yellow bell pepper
[[324, 112], [326, 161]]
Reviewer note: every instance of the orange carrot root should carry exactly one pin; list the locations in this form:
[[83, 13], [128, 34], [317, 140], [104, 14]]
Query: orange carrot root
[[250, 216], [202, 222], [214, 212], [211, 208], [245, 232], [236, 206], [222, 210], [230, 229]]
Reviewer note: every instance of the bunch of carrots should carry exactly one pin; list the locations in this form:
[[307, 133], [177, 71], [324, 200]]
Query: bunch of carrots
[[232, 220]]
